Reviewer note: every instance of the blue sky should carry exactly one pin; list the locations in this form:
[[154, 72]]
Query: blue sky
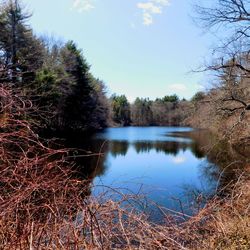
[[144, 48]]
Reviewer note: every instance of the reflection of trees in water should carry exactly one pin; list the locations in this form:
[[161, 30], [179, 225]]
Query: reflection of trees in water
[[118, 148], [222, 162], [89, 157], [196, 150], [169, 148], [217, 172], [218, 155], [92, 166], [227, 163], [96, 165]]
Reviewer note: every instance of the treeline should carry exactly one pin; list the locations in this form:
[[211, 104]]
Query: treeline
[[54, 76], [166, 111]]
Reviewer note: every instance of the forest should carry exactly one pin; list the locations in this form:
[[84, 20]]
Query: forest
[[47, 90]]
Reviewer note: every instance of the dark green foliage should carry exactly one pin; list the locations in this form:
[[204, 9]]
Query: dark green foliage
[[76, 99], [170, 98], [101, 112], [79, 104], [55, 77], [120, 110], [21, 51]]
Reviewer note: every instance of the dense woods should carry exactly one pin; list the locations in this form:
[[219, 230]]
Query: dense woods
[[166, 111], [55, 77]]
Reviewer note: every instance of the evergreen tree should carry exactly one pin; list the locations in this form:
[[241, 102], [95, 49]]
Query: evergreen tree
[[76, 99], [21, 52], [120, 110]]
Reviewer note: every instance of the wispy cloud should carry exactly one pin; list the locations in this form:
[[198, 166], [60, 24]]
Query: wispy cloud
[[151, 8], [83, 5]]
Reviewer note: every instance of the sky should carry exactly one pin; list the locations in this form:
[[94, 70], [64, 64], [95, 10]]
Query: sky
[[145, 48]]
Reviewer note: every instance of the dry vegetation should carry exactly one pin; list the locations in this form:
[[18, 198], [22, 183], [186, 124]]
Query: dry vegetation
[[44, 205], [222, 115]]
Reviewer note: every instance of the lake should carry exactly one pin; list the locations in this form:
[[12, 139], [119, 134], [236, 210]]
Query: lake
[[166, 165]]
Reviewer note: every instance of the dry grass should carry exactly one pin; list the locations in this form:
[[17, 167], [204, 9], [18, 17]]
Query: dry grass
[[228, 226], [45, 205]]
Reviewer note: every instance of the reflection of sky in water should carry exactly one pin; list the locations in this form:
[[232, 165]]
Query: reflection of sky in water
[[132, 134], [159, 174]]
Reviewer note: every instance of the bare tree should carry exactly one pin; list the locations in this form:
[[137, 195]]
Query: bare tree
[[231, 98], [230, 14]]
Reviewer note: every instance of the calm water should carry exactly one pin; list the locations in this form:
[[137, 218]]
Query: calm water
[[166, 165]]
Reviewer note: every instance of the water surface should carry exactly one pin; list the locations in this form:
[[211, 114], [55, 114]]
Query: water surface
[[169, 170]]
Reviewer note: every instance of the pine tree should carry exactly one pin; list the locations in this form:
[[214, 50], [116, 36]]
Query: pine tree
[[21, 52]]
